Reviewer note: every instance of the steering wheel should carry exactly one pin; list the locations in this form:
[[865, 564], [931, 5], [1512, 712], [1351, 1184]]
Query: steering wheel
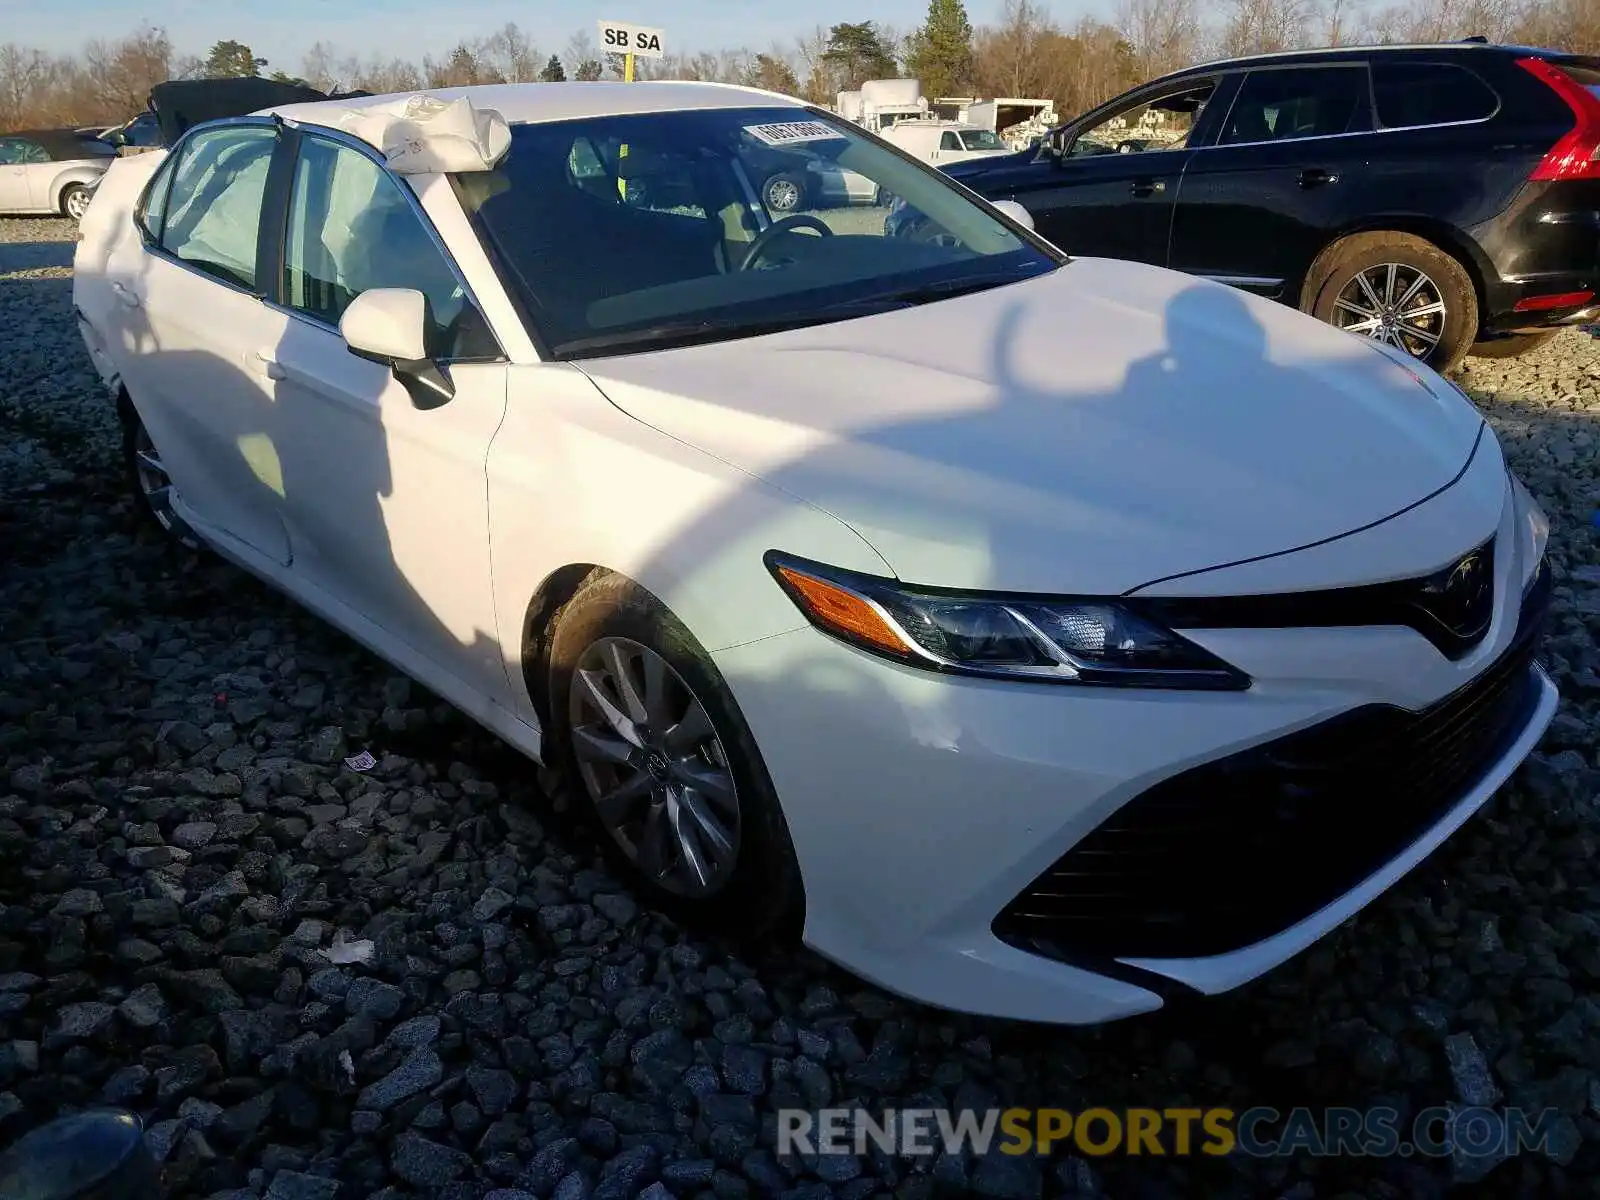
[[763, 240]]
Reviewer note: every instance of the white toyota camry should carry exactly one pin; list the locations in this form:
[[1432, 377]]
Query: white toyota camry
[[1033, 636]]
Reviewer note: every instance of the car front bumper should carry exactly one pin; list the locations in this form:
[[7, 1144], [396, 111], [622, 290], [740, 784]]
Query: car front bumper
[[923, 806]]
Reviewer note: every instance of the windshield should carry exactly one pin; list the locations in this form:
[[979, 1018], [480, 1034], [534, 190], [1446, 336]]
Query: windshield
[[628, 233], [981, 139]]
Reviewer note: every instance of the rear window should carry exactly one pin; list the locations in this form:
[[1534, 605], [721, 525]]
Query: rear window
[[1589, 77], [1412, 94]]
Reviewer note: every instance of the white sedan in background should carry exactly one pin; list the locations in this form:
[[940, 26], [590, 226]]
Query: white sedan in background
[[1032, 636], [50, 171]]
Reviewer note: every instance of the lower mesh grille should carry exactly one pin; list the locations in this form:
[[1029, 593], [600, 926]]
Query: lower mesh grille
[[1238, 849]]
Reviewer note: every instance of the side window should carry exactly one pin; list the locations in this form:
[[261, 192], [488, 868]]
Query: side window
[[1411, 94], [213, 207], [153, 208], [949, 141], [1276, 106], [10, 151], [1152, 123], [31, 152], [351, 229]]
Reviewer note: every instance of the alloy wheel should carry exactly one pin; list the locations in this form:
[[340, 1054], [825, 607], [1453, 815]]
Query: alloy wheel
[[783, 195], [77, 203], [654, 767], [1393, 303], [155, 485]]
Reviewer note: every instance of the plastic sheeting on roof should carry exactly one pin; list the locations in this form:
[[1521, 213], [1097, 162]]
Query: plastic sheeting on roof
[[422, 135]]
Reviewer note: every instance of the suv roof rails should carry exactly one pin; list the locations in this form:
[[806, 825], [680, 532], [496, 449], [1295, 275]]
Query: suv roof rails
[[1478, 38]]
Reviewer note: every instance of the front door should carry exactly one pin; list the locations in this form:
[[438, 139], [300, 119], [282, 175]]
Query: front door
[[1256, 207], [193, 299], [1111, 192], [386, 503], [15, 195]]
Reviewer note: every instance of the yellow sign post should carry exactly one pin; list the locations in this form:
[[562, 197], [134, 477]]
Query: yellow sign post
[[630, 41], [622, 151]]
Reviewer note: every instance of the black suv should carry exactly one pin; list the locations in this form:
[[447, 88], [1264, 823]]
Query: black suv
[[1443, 198]]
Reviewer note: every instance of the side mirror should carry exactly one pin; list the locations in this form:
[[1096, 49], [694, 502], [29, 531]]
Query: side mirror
[[389, 326], [386, 325], [1016, 212]]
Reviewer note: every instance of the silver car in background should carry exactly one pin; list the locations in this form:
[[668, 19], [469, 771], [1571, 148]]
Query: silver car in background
[[51, 171]]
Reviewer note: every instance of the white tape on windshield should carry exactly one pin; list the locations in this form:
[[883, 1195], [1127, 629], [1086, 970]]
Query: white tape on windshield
[[787, 133]]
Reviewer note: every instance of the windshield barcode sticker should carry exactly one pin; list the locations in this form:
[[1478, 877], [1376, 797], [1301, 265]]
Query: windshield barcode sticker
[[789, 132]]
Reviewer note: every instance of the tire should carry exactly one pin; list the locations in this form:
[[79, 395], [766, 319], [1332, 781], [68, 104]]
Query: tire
[[142, 463], [784, 193], [1334, 293], [74, 201], [1514, 346], [757, 893]]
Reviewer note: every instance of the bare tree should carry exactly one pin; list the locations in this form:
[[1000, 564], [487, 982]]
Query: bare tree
[[581, 58], [1164, 34], [118, 75], [510, 53], [1266, 26]]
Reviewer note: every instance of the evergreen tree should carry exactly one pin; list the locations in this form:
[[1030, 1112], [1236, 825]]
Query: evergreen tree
[[553, 71], [858, 53], [232, 60], [941, 51]]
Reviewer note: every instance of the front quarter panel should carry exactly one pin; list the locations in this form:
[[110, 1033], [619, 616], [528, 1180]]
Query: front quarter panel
[[574, 480]]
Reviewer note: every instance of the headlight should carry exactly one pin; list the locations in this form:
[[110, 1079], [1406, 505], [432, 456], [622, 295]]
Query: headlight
[[1100, 642], [1532, 522]]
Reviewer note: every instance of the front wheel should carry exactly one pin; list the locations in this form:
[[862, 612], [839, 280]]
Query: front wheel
[[74, 201], [1398, 289], [653, 740]]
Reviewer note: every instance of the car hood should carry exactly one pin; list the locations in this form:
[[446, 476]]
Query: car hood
[[988, 160], [1089, 431], [966, 156]]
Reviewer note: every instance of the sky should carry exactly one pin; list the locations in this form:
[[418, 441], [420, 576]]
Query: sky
[[281, 30]]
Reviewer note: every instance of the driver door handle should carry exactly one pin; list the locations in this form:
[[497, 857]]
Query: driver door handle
[[1147, 187], [1316, 176], [124, 294], [266, 365]]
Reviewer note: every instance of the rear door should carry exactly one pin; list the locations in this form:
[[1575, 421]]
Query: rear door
[[1287, 168], [190, 304], [1110, 191]]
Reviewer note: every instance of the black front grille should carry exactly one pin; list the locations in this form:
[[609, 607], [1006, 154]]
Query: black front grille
[[1238, 849]]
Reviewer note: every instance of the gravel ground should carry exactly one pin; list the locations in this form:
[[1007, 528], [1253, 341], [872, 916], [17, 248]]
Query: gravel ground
[[180, 848]]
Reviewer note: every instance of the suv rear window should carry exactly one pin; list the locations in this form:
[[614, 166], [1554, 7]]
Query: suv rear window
[[1587, 77], [1412, 94]]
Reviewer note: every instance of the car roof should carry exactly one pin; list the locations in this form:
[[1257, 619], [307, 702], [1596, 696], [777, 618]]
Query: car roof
[[64, 144], [1333, 53], [526, 103]]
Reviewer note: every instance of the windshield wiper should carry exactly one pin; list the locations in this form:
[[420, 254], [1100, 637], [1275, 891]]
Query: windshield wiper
[[670, 334], [926, 293]]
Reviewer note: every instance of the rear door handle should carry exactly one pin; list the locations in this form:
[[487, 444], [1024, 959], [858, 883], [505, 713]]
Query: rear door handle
[[124, 295], [266, 365], [1147, 187], [1316, 177]]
